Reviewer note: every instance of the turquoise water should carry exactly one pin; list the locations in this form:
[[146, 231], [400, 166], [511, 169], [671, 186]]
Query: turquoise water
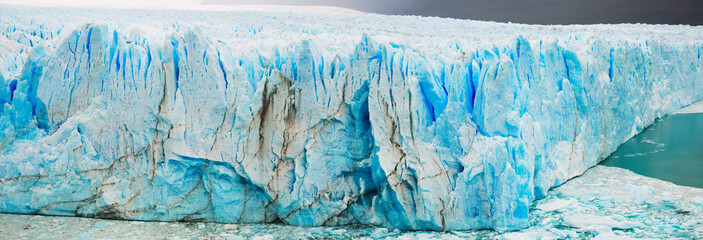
[[671, 150]]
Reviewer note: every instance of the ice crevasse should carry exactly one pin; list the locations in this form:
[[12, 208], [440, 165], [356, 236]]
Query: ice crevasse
[[319, 119]]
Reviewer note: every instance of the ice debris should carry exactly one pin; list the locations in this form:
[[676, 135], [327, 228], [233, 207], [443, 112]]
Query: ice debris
[[584, 221], [555, 205]]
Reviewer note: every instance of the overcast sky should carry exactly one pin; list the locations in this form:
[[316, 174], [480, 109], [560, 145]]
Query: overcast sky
[[521, 11]]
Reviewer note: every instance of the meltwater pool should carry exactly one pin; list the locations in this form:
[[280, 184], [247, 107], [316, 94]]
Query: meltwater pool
[[671, 149]]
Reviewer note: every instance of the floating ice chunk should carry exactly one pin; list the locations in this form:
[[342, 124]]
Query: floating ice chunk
[[583, 221], [641, 190], [519, 236], [101, 225], [85, 235], [563, 233], [611, 236], [690, 223], [379, 233], [555, 204], [263, 237], [535, 233]]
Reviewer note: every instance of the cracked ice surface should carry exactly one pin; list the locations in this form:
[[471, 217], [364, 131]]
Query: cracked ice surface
[[605, 202], [319, 119]]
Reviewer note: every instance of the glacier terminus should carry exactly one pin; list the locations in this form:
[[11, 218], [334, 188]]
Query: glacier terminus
[[331, 118]]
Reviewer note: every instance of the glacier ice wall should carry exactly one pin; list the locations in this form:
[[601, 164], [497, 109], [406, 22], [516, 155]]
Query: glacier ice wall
[[440, 125]]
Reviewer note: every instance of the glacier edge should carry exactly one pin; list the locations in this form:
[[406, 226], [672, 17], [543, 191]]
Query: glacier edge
[[115, 124]]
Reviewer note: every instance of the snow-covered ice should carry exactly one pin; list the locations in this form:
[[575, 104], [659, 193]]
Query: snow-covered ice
[[321, 119]]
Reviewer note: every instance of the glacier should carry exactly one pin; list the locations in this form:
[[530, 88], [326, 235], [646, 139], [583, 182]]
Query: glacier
[[319, 119], [648, 208]]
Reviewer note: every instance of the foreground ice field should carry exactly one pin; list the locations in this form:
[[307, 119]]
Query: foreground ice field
[[605, 203], [321, 118]]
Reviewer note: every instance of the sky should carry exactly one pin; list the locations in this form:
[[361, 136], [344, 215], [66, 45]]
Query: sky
[[518, 11], [524, 11], [109, 3]]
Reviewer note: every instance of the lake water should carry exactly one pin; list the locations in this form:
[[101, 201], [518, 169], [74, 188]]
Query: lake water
[[671, 149]]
